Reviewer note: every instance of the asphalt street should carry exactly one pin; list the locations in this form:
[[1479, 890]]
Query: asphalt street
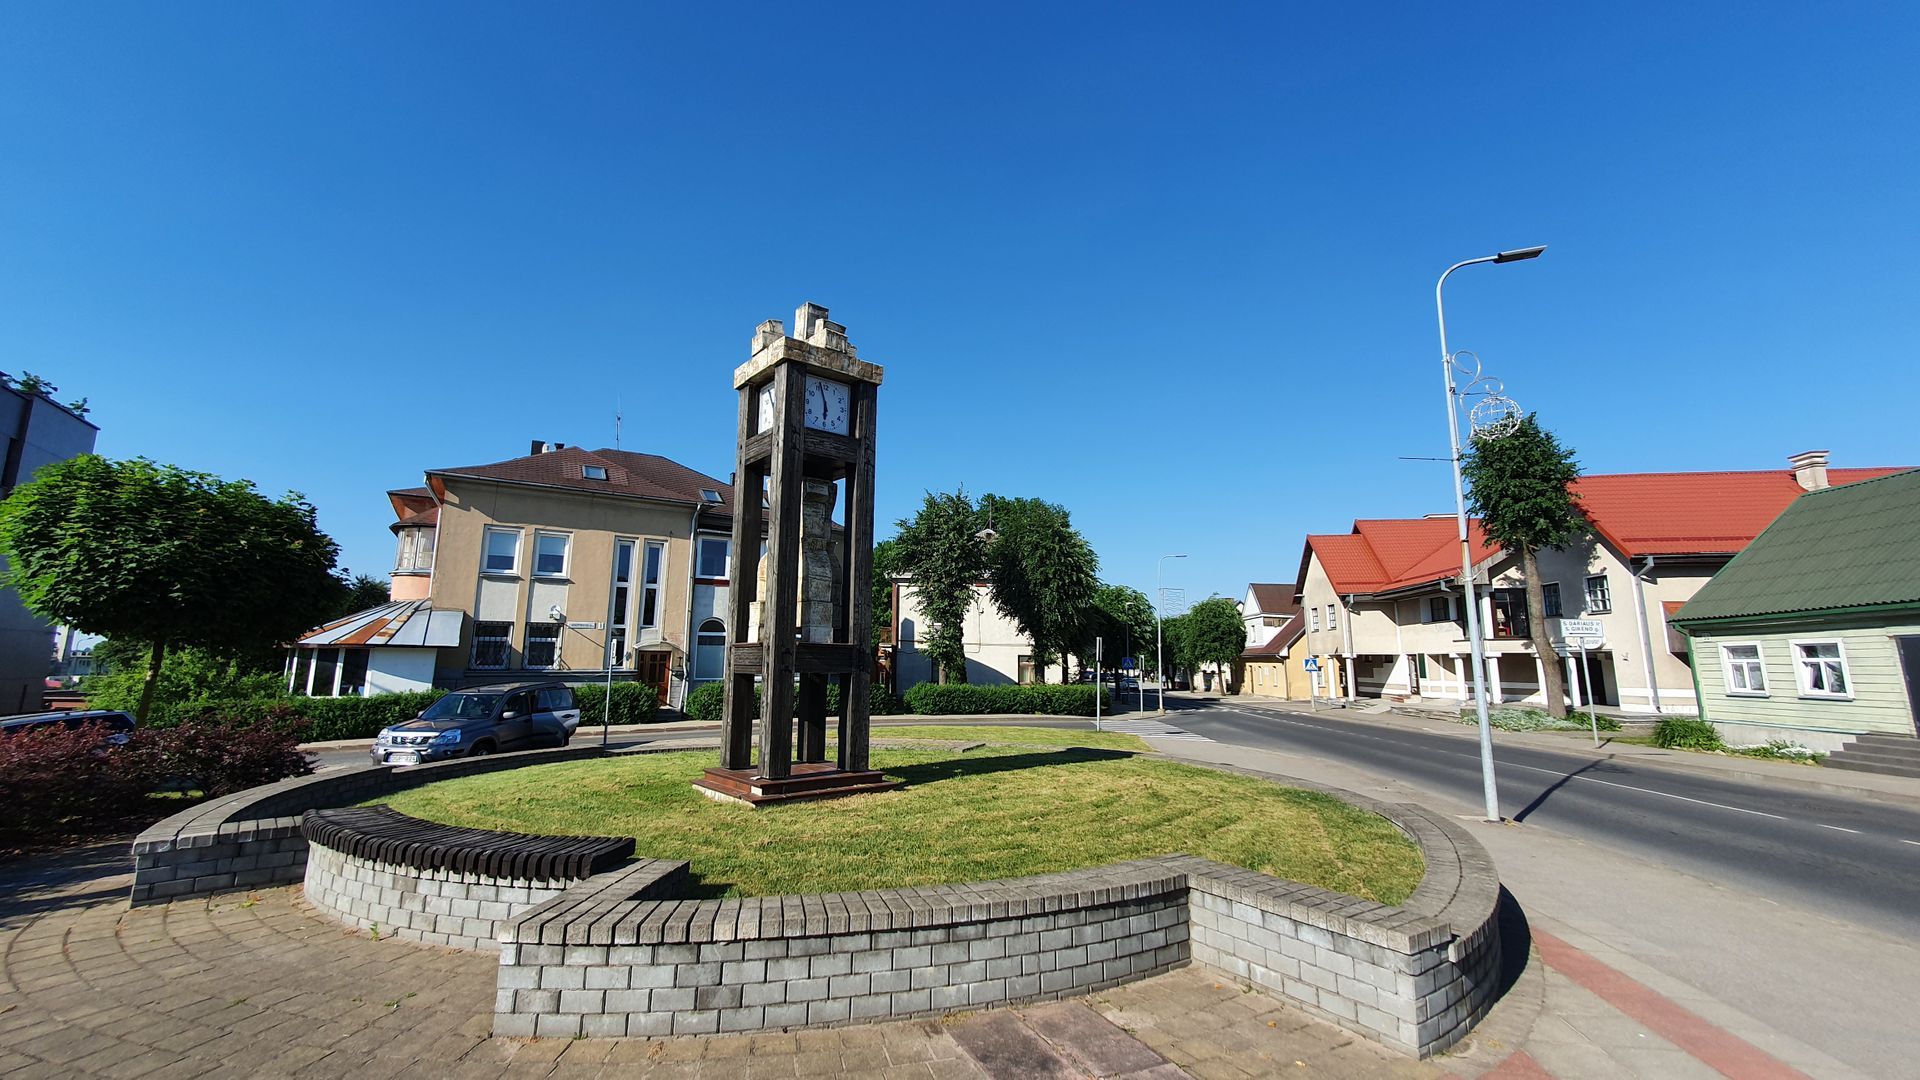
[[1847, 857]]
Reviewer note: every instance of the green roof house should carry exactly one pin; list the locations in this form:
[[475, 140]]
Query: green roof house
[[1812, 633]]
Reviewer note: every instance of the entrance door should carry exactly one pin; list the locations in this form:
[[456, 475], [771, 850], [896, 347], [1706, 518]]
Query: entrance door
[[1604, 691], [650, 668], [1908, 645]]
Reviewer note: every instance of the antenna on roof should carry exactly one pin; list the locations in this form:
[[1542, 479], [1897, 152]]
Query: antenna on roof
[[616, 422]]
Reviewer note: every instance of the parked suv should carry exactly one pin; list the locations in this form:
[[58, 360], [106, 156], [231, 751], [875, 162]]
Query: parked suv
[[482, 720], [116, 726]]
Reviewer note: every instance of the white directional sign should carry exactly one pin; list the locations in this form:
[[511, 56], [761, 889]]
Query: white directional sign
[[1579, 628]]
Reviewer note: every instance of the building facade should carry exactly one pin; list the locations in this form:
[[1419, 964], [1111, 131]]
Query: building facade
[[546, 564], [997, 652], [1384, 608], [1812, 634], [39, 432], [1274, 663]]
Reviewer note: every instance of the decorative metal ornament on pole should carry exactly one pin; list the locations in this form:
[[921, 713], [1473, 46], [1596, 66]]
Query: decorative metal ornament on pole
[[1159, 633], [1492, 417]]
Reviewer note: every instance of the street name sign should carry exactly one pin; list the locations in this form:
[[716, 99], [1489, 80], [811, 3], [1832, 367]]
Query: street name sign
[[1579, 628]]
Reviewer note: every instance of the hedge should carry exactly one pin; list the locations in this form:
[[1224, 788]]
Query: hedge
[[707, 700], [633, 703], [356, 717], [966, 699]]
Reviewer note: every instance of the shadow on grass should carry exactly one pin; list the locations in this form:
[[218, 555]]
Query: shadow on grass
[[957, 767]]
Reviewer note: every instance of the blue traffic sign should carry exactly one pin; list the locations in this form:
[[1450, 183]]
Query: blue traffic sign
[[1127, 664], [1313, 663]]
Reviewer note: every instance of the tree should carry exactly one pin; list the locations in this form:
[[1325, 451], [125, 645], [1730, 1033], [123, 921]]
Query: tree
[[1520, 492], [1042, 574], [940, 551], [886, 566], [362, 592], [136, 551], [1122, 616], [1212, 633]]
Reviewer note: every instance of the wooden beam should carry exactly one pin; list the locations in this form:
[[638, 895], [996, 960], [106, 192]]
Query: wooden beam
[[857, 720], [736, 718], [783, 575]]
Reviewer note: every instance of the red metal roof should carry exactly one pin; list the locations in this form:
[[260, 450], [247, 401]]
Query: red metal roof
[[1693, 513], [1699, 513]]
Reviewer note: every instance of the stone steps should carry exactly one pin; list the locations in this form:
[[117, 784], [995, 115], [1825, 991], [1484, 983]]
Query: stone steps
[[1888, 755]]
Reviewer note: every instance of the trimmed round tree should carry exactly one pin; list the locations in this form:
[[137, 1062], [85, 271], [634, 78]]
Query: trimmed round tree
[[136, 551], [1520, 489]]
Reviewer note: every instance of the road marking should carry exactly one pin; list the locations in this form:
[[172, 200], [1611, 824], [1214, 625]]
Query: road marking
[[1588, 779], [1915, 843], [1152, 729], [1837, 828]]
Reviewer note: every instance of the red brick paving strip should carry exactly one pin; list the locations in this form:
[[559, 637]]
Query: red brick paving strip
[[1715, 1047], [1518, 1066]]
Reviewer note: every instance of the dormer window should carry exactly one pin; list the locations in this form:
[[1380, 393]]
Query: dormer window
[[710, 496], [416, 551], [594, 472]]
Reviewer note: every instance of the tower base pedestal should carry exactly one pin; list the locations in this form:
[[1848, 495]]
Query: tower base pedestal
[[809, 780]]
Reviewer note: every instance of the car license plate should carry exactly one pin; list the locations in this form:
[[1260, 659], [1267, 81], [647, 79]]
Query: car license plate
[[405, 758]]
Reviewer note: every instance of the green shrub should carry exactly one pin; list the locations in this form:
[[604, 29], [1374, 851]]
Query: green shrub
[[633, 703], [191, 683], [705, 701], [708, 700], [1686, 733], [355, 717], [966, 699]]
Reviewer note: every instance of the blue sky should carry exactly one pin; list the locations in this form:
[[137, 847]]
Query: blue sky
[[1171, 266]]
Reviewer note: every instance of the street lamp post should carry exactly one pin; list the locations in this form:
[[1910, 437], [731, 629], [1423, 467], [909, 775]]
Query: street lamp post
[[1460, 512], [1159, 638]]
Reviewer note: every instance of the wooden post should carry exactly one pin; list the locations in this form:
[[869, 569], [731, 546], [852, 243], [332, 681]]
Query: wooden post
[[856, 706], [736, 724], [777, 629]]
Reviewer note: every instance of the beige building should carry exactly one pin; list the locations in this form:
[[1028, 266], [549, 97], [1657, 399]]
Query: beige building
[[543, 564], [1274, 663], [1384, 608], [996, 650]]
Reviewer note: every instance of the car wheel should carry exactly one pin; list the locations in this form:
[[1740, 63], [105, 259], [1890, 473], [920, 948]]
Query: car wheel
[[480, 749]]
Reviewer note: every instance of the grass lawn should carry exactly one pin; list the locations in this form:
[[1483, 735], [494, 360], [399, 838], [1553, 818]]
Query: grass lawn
[[995, 812]]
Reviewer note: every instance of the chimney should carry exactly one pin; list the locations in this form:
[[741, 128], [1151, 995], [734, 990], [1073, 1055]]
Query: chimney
[[1810, 469], [541, 446]]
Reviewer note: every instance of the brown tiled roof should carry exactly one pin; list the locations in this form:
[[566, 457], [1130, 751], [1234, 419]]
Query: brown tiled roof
[[1274, 599], [645, 476]]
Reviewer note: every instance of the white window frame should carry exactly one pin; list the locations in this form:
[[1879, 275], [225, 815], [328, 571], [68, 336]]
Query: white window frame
[[700, 541], [486, 551], [1800, 669], [1333, 616], [566, 553], [1314, 618], [620, 629], [1586, 600], [657, 588], [1727, 662]]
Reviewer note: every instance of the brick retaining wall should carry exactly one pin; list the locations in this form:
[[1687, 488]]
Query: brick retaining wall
[[437, 907]]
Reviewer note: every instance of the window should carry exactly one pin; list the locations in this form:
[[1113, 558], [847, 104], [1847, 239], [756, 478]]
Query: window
[[1313, 619], [650, 584], [1599, 597], [710, 651], [1333, 617], [353, 672], [416, 550], [1510, 613], [713, 558], [1746, 672], [550, 554], [503, 552], [1439, 609], [1550, 593], [543, 642], [593, 472], [302, 669], [556, 699], [1823, 669], [325, 661], [622, 596], [490, 641]]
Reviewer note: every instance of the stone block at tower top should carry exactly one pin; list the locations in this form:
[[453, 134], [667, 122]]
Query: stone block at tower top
[[820, 343]]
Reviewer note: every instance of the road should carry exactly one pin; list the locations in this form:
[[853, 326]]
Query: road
[[1849, 858]]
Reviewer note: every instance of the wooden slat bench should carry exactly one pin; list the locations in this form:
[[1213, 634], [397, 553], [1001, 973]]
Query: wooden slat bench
[[378, 834]]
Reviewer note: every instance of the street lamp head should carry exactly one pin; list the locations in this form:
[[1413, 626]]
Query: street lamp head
[[1518, 254], [1173, 556]]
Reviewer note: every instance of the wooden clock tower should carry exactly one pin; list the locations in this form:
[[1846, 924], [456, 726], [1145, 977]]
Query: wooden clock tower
[[806, 427]]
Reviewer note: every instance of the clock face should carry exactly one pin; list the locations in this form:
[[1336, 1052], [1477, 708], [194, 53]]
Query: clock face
[[827, 405], [765, 421]]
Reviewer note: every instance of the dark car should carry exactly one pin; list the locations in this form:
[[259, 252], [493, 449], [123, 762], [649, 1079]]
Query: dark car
[[482, 720], [117, 725]]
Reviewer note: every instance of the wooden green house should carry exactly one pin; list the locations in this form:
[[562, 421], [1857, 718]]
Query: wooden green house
[[1812, 633]]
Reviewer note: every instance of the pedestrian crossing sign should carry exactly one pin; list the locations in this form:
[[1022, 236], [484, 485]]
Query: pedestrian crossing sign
[[1313, 663]]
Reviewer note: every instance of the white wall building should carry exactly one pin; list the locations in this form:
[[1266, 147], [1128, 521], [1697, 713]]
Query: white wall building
[[996, 650]]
